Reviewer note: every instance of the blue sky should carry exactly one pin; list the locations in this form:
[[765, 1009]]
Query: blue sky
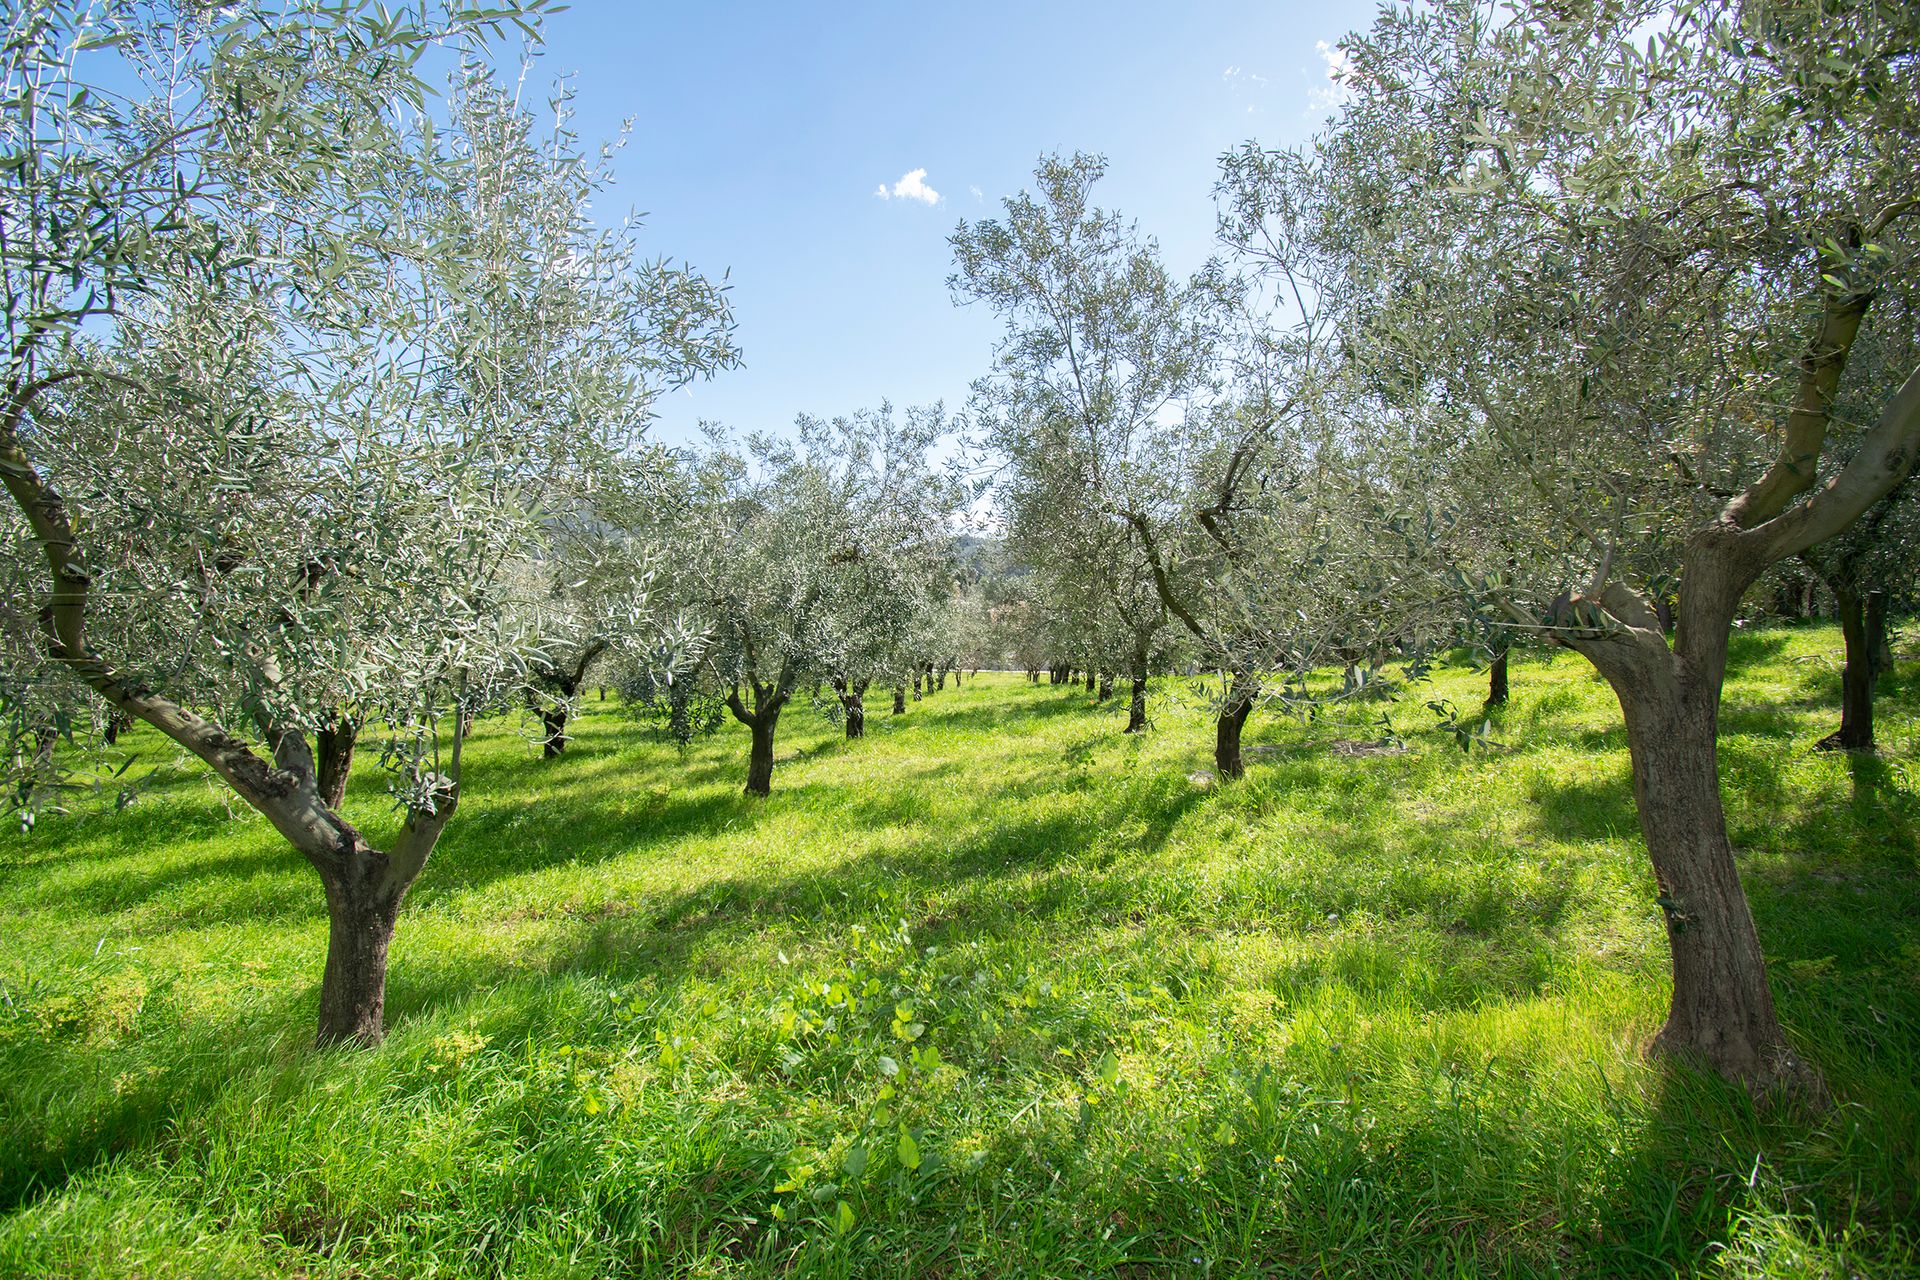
[[763, 132]]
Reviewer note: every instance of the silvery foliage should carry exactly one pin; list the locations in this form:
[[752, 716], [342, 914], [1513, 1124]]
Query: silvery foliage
[[819, 556], [1175, 426], [306, 331], [1583, 254]]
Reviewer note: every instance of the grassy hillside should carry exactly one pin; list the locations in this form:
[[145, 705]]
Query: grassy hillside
[[993, 992]]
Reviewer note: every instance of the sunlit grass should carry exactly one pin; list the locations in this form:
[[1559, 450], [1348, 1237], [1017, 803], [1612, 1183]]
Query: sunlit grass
[[995, 991]]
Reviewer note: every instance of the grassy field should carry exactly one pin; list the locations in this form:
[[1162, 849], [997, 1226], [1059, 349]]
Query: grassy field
[[993, 992]]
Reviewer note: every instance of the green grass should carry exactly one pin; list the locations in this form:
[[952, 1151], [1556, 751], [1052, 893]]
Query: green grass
[[994, 992]]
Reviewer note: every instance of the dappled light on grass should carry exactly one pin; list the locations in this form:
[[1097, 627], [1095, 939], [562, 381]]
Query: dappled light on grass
[[993, 991]]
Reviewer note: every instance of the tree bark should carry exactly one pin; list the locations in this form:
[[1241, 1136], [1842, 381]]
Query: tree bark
[[853, 704], [333, 747], [760, 759], [1878, 646], [1856, 677], [899, 699], [553, 721], [1092, 680], [1105, 690], [118, 723], [361, 910], [1137, 708], [1232, 719], [1497, 678], [768, 700], [1722, 1014]]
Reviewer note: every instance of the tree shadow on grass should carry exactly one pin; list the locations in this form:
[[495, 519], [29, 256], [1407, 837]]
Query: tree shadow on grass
[[1705, 1163]]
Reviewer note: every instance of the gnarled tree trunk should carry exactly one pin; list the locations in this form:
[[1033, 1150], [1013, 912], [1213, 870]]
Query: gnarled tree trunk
[[760, 757], [853, 705], [1137, 707], [1856, 677], [1497, 677], [899, 699], [1232, 719], [361, 911], [768, 700], [1105, 690], [1722, 1014]]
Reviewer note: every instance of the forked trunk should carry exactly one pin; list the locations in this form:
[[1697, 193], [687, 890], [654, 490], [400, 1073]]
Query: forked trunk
[[1137, 708], [1856, 678], [333, 760], [760, 760], [1497, 679], [1233, 718], [353, 991]]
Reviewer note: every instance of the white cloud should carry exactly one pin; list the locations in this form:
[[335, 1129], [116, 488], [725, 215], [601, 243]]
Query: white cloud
[[912, 186], [1334, 93], [978, 194]]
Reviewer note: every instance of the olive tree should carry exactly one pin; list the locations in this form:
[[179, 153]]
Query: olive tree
[[1615, 260], [272, 416], [808, 560]]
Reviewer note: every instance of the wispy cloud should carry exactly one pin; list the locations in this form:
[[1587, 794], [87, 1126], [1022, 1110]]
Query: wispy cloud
[[912, 186], [1335, 93], [978, 194], [1245, 86]]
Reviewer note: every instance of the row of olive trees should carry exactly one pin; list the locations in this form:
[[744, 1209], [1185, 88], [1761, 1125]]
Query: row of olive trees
[[321, 395], [1571, 324], [819, 560]]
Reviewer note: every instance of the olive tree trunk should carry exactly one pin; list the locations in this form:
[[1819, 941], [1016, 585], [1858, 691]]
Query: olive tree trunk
[[768, 701], [899, 699], [1241, 693], [1856, 677], [1497, 677], [852, 695], [1879, 647]]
